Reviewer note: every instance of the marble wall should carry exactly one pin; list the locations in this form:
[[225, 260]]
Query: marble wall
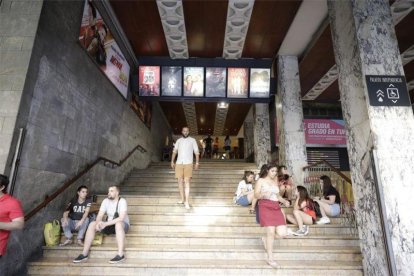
[[248, 133], [261, 134], [289, 114], [365, 44]]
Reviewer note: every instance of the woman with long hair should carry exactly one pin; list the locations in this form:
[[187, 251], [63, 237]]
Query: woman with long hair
[[303, 212], [245, 193], [270, 213], [330, 201], [285, 182]]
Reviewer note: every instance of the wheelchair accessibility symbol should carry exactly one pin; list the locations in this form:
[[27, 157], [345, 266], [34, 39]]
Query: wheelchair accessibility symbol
[[392, 93]]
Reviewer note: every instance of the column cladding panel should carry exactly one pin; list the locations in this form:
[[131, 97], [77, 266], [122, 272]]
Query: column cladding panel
[[365, 44]]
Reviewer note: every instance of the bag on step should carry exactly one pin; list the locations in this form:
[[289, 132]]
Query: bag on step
[[98, 239], [51, 231], [317, 209]]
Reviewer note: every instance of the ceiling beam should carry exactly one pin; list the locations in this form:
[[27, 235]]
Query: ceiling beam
[[220, 119], [237, 24], [190, 116], [172, 18], [399, 10], [304, 28]]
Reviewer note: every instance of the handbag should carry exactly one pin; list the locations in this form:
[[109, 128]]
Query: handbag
[[51, 232], [256, 209], [317, 209]]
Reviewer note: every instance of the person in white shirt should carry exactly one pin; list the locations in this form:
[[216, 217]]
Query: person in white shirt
[[117, 223], [184, 148], [245, 193]]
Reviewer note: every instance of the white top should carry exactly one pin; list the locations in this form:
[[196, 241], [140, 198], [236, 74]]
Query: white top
[[185, 148], [270, 191], [243, 185], [108, 206]]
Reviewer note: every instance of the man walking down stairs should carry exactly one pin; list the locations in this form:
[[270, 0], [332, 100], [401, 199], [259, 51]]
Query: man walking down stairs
[[214, 237]]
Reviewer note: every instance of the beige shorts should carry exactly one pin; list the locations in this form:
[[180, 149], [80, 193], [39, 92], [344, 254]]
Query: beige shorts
[[183, 170]]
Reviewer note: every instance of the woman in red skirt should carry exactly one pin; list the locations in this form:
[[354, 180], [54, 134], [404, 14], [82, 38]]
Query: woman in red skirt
[[270, 213]]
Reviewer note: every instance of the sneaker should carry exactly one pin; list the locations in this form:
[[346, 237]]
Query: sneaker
[[290, 232], [300, 232], [323, 220], [67, 242], [306, 229], [117, 259], [187, 206], [80, 258]]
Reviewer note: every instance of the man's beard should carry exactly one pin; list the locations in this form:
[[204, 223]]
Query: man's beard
[[110, 197], [185, 136]]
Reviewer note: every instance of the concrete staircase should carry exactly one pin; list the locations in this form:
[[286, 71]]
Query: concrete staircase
[[215, 237]]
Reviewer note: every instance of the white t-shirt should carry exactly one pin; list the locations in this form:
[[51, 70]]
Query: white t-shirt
[[185, 148], [243, 185], [108, 206]]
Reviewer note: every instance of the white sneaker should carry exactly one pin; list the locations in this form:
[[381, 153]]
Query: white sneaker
[[323, 220], [290, 232], [305, 229]]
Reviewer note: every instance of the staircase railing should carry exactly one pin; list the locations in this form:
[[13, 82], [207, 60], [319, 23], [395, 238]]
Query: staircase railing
[[72, 180], [340, 181]]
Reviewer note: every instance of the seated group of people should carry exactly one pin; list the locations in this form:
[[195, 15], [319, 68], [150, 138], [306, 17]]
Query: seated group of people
[[77, 218], [303, 206], [267, 195]]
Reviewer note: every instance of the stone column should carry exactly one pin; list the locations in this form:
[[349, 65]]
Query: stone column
[[261, 134], [365, 44], [248, 132], [289, 114], [18, 26]]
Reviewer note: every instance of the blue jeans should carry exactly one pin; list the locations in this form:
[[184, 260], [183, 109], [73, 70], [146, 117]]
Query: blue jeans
[[68, 229]]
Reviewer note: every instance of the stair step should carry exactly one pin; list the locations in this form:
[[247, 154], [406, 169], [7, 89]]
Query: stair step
[[214, 237], [230, 239], [107, 251], [132, 266]]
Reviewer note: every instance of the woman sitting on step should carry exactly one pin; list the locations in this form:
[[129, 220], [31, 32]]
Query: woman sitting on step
[[303, 212], [245, 193], [330, 201], [270, 213]]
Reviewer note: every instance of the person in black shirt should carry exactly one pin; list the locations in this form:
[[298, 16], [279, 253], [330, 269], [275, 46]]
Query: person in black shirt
[[330, 201], [208, 141], [75, 217]]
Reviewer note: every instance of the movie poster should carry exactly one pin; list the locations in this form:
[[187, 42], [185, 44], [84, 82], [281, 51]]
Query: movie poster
[[97, 40], [259, 83], [149, 81], [216, 82], [143, 110], [171, 81], [237, 82], [193, 81]]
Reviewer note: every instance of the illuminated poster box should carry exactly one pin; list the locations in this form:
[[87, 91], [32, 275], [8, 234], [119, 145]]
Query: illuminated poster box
[[149, 81], [171, 81], [216, 82], [259, 83], [237, 82], [193, 81]]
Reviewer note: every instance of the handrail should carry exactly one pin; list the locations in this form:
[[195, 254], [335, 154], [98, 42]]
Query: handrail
[[72, 180], [346, 178]]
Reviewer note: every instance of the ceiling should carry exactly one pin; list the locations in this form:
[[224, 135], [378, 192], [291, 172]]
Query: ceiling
[[271, 27]]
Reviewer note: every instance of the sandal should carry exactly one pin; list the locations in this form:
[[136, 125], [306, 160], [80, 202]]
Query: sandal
[[273, 263], [67, 242], [252, 211]]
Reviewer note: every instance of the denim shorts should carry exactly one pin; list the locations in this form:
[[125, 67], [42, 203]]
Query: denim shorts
[[243, 201], [335, 209]]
